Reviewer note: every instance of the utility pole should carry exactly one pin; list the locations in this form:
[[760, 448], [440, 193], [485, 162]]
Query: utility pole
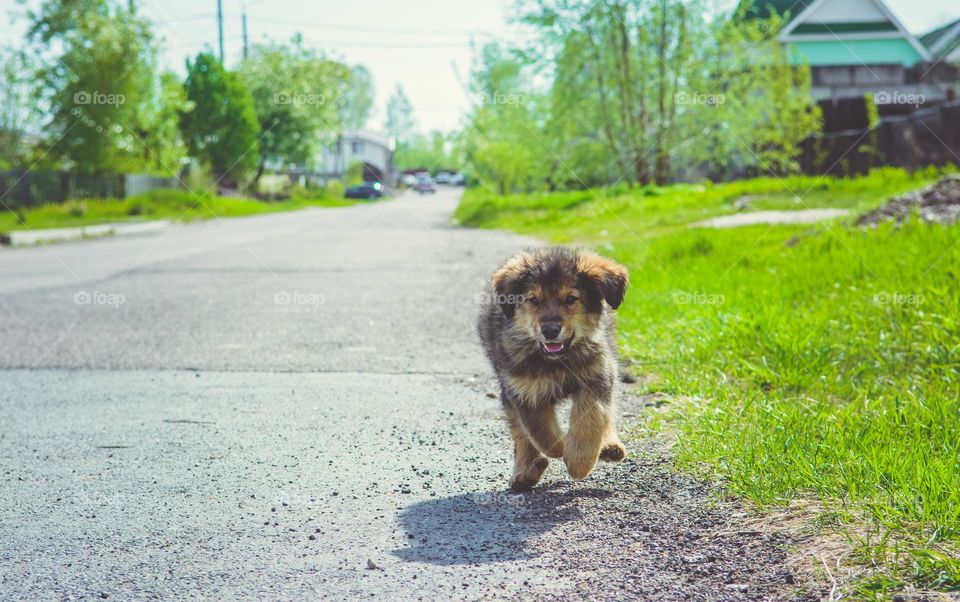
[[244, 33], [220, 26]]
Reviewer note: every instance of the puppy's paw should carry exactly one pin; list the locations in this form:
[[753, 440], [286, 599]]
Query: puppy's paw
[[613, 452], [579, 465], [526, 479]]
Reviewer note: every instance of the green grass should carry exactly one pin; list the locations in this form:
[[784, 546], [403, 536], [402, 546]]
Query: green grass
[[158, 204], [807, 362]]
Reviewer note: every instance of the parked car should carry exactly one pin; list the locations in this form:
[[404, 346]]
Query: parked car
[[368, 190], [408, 179], [443, 177], [458, 179], [424, 184]]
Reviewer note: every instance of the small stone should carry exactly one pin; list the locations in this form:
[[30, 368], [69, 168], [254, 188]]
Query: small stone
[[491, 395], [312, 537], [371, 565]]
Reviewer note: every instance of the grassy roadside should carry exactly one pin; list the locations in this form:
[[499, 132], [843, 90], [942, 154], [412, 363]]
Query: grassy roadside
[[159, 204], [814, 362]]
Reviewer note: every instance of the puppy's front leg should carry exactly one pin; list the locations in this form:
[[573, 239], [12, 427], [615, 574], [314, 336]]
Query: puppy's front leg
[[591, 421], [541, 426]]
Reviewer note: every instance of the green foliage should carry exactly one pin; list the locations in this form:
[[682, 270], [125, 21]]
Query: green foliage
[[296, 94], [400, 123], [356, 101], [178, 205], [16, 116], [335, 189], [637, 91], [503, 145], [439, 151], [220, 126], [96, 71], [802, 361], [354, 173]]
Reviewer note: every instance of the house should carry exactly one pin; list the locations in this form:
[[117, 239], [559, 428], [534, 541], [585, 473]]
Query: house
[[944, 42], [855, 49], [373, 150]]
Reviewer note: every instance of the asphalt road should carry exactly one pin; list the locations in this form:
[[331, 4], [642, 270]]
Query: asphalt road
[[295, 406]]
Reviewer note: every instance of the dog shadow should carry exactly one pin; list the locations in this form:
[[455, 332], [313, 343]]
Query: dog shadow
[[487, 527]]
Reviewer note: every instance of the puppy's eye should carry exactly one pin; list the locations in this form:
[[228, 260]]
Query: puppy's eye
[[533, 300], [571, 299]]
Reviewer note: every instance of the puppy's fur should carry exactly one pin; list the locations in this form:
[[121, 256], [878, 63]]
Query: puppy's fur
[[548, 328]]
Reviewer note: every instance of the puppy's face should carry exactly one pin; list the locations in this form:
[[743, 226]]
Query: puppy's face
[[555, 297]]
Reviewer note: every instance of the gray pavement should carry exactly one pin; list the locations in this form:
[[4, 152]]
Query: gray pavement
[[294, 406]]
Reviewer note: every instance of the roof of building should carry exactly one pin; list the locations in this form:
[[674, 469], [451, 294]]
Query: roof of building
[[764, 9], [942, 40]]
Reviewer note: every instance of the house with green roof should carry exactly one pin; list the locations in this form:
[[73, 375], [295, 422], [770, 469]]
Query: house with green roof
[[944, 42], [857, 48]]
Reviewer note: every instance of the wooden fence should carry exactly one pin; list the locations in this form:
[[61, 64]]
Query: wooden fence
[[26, 188], [925, 137]]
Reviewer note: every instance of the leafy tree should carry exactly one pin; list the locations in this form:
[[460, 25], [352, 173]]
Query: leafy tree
[[17, 117], [297, 95], [356, 101], [97, 75], [220, 126], [400, 123], [748, 108], [505, 143], [436, 151], [162, 147]]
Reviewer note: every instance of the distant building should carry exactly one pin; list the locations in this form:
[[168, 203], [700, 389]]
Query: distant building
[[858, 48], [371, 149], [944, 42]]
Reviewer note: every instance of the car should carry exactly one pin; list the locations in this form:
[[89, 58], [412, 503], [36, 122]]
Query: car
[[443, 177], [368, 190], [458, 179], [424, 184], [408, 179]]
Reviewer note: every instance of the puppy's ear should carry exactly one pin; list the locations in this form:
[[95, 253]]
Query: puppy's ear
[[609, 278], [506, 284]]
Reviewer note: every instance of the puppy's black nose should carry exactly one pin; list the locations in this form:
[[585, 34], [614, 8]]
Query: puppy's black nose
[[550, 331]]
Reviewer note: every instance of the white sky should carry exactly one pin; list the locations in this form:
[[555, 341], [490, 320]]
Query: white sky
[[422, 44]]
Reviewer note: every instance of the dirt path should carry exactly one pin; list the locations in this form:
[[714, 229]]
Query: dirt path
[[806, 216]]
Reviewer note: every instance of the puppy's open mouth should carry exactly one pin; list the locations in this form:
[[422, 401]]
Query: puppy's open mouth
[[554, 349]]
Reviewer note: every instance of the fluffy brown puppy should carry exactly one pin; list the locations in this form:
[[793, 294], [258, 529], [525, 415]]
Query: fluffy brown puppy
[[548, 328]]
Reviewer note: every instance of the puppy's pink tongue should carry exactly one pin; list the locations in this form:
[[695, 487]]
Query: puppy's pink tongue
[[553, 347]]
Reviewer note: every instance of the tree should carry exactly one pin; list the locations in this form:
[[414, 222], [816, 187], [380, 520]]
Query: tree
[[220, 126], [400, 123], [505, 143], [748, 108], [97, 74], [356, 102], [297, 96], [17, 117]]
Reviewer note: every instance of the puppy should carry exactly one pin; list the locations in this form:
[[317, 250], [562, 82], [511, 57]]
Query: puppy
[[548, 328]]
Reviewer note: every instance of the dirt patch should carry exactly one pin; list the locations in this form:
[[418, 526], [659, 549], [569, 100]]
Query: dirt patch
[[750, 218], [937, 203]]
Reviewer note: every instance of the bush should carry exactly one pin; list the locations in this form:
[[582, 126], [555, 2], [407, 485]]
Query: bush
[[76, 208], [335, 189]]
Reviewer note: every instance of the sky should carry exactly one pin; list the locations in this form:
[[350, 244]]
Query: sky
[[423, 45]]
